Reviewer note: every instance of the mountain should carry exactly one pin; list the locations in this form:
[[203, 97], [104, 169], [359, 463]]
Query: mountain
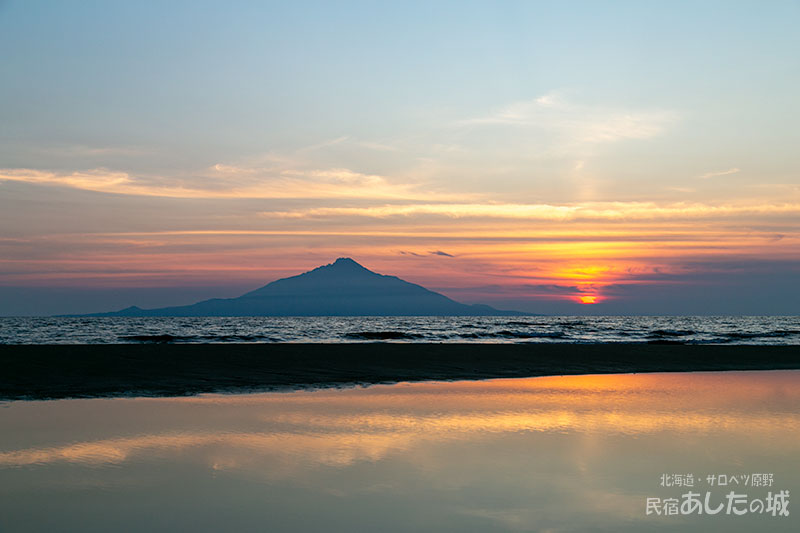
[[343, 288]]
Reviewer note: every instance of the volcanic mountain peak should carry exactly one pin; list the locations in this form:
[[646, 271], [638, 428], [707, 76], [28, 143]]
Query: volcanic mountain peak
[[341, 288]]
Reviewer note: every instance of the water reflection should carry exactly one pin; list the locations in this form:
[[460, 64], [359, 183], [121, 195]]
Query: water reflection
[[522, 454]]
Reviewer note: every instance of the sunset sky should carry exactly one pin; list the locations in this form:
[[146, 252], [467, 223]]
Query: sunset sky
[[638, 157]]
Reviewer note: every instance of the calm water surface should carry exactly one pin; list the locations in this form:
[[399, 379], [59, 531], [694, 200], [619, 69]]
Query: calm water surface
[[543, 454]]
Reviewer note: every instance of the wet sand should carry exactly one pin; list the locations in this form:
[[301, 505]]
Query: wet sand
[[89, 371]]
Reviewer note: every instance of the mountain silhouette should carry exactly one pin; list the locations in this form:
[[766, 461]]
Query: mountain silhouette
[[342, 288]]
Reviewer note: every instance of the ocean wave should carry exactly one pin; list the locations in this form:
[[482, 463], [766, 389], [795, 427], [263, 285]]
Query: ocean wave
[[507, 334], [166, 338], [182, 330], [672, 333], [382, 335], [760, 334], [163, 338], [525, 324], [572, 324]]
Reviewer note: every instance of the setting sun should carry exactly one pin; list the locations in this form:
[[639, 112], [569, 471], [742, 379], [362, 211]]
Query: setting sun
[[588, 299]]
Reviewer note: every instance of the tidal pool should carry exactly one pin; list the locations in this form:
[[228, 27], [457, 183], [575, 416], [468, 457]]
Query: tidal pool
[[541, 454]]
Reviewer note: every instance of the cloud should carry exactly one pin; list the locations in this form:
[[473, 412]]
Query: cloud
[[519, 113], [324, 144], [550, 99], [577, 123], [325, 170], [436, 252], [549, 212], [228, 181], [514, 289], [376, 146], [718, 173], [613, 127], [82, 150], [347, 140], [94, 180]]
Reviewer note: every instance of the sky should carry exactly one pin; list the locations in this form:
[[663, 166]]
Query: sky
[[552, 157]]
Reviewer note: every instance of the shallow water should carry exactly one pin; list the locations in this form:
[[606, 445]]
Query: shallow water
[[493, 329], [555, 453]]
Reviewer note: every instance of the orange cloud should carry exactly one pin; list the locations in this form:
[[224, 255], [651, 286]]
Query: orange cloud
[[612, 211], [226, 181]]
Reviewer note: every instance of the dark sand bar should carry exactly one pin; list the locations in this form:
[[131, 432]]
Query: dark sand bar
[[89, 371]]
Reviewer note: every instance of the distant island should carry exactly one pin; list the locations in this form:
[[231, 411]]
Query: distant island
[[342, 288]]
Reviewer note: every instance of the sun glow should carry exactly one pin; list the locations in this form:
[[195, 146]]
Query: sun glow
[[588, 299]]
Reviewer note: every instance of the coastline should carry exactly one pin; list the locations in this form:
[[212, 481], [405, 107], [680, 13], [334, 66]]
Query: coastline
[[39, 372]]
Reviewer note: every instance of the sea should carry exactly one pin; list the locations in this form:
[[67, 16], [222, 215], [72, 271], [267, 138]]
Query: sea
[[414, 329]]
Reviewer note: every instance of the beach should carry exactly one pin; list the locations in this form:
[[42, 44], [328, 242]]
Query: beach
[[35, 372]]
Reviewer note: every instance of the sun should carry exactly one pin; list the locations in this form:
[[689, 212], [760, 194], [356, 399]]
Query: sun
[[588, 299]]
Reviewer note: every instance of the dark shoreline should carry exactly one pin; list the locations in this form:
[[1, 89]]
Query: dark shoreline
[[33, 372]]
